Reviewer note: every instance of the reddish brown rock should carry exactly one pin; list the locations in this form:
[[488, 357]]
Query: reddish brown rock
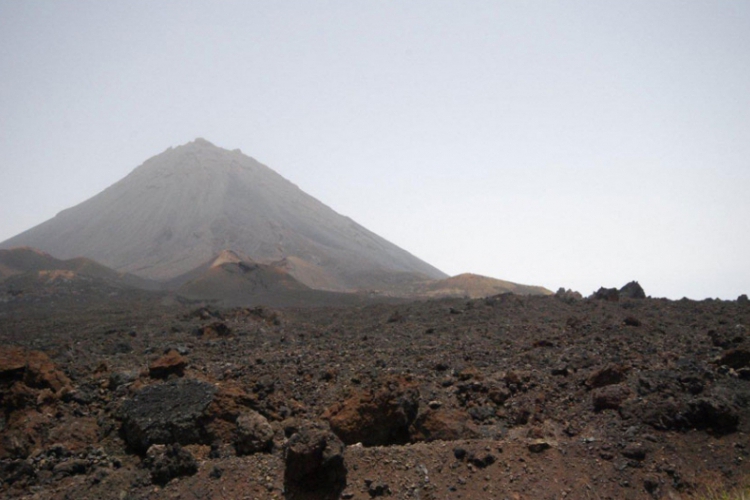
[[42, 373], [443, 425], [228, 404], [376, 418], [34, 368], [171, 363], [12, 361]]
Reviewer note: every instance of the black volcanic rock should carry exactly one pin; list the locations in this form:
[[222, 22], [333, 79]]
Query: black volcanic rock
[[182, 208], [166, 414]]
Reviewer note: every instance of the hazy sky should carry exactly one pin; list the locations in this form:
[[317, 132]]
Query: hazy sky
[[571, 144]]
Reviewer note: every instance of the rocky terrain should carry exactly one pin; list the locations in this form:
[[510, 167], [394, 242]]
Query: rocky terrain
[[121, 393]]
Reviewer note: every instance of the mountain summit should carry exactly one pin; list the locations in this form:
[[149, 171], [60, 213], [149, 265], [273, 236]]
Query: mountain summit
[[191, 204]]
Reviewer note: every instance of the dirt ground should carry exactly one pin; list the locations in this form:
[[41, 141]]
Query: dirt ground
[[125, 395]]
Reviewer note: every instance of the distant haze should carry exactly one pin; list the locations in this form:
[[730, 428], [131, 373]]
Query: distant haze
[[571, 144]]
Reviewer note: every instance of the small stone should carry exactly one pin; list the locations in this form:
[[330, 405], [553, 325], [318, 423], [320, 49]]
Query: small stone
[[378, 489], [632, 321], [538, 446], [482, 462], [635, 451], [253, 434], [71, 467]]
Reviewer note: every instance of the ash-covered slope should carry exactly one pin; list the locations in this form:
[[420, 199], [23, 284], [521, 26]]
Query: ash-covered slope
[[183, 207]]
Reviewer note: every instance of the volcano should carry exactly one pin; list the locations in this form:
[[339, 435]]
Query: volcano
[[190, 204]]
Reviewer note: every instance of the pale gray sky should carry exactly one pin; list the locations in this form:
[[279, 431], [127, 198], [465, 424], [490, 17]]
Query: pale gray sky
[[571, 144]]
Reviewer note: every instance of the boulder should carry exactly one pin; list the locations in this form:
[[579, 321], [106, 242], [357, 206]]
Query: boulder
[[609, 375], [314, 460], [378, 418], [443, 425], [736, 358], [253, 434], [713, 413], [33, 368], [167, 462], [214, 330], [167, 413], [12, 362], [568, 296], [632, 291], [610, 397]]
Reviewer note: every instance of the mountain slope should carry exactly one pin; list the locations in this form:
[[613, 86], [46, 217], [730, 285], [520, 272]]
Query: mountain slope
[[181, 208]]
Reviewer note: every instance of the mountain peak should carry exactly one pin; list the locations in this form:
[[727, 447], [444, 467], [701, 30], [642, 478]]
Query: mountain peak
[[182, 208], [200, 141]]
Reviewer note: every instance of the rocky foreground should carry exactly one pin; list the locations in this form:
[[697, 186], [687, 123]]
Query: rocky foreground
[[505, 397]]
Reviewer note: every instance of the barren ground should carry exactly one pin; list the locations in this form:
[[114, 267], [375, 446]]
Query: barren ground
[[506, 397]]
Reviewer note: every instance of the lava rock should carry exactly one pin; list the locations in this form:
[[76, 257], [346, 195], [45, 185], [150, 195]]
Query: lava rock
[[71, 467], [736, 358], [171, 363], [538, 446], [172, 412], [253, 434], [631, 321], [314, 459], [118, 379], [443, 425], [376, 418], [635, 451], [377, 488], [610, 397], [34, 368], [609, 375], [214, 330], [607, 294], [167, 462], [481, 461], [13, 471], [713, 413], [632, 290], [568, 296]]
